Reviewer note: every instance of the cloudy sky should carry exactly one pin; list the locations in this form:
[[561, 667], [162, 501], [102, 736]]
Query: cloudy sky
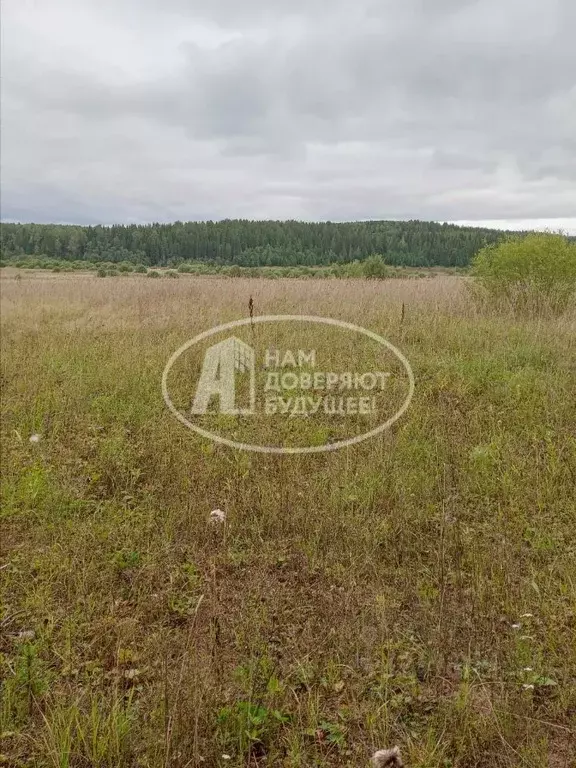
[[157, 110]]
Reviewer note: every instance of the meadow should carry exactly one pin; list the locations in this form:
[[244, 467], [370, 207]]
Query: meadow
[[418, 589]]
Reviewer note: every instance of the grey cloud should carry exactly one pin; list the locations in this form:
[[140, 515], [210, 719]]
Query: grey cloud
[[312, 109]]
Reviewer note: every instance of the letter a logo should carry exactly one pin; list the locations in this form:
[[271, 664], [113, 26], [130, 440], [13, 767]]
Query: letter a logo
[[226, 366]]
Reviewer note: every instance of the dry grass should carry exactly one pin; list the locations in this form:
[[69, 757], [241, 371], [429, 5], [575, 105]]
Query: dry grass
[[351, 601]]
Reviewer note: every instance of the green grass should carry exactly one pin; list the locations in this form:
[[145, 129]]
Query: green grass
[[352, 600]]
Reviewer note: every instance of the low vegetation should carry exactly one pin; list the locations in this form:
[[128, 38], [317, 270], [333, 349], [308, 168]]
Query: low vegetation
[[417, 589], [529, 275], [374, 267]]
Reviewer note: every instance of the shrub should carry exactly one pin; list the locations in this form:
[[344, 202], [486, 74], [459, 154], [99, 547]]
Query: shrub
[[353, 269], [141, 269], [171, 273], [375, 267], [528, 274], [152, 273], [232, 271], [113, 272], [185, 268], [101, 273]]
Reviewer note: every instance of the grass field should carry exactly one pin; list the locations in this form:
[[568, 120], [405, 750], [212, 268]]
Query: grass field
[[418, 589]]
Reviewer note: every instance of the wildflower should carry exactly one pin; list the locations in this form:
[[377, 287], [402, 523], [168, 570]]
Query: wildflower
[[526, 616], [131, 674], [387, 758], [26, 634], [516, 626], [528, 687], [528, 669], [217, 516], [34, 438], [225, 757]]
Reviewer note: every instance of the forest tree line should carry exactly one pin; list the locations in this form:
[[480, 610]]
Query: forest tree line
[[252, 243]]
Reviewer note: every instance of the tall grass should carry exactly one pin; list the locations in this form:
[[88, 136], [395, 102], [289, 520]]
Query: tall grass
[[418, 589]]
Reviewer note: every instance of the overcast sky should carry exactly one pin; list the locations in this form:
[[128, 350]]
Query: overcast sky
[[157, 110]]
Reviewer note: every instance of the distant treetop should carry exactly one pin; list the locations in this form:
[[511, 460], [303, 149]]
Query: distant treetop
[[253, 243]]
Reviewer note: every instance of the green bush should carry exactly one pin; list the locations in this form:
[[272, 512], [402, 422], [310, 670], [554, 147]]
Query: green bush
[[375, 267], [152, 273], [101, 273], [141, 269], [185, 268], [528, 274], [232, 271], [171, 273], [113, 272], [353, 269]]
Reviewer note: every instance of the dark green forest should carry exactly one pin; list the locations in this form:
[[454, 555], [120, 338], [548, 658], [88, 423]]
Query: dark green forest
[[252, 243]]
